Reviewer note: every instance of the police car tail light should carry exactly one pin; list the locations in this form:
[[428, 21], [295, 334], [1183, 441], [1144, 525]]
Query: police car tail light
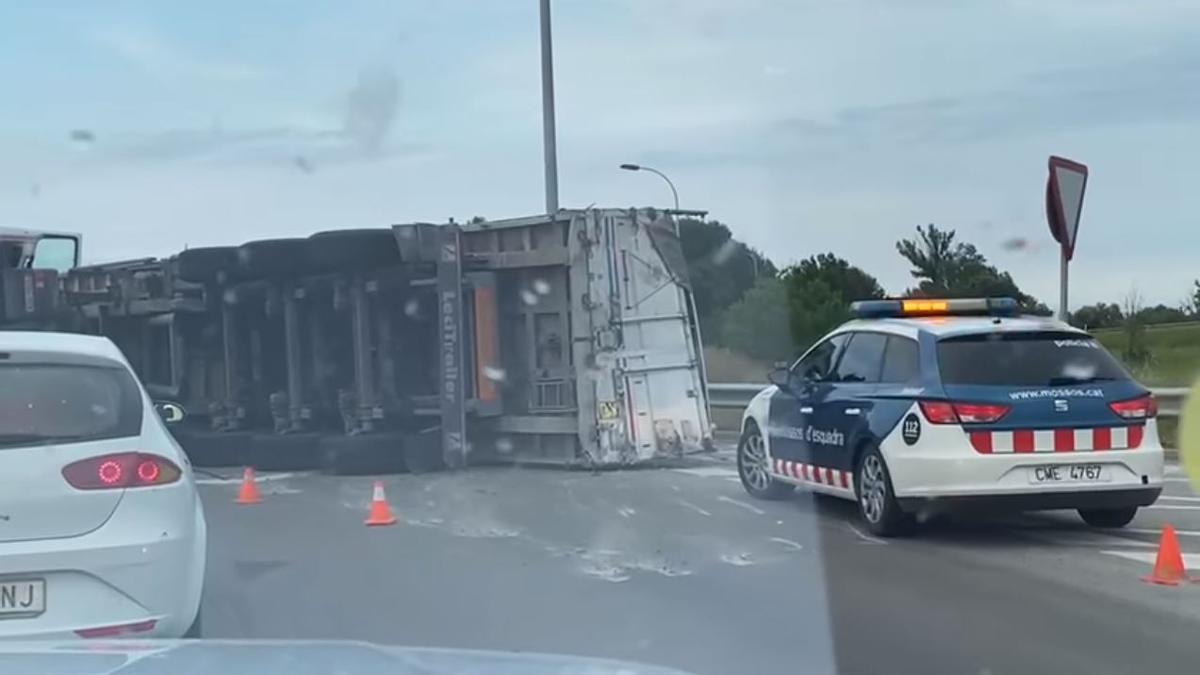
[[939, 412], [1143, 407], [974, 413], [947, 412]]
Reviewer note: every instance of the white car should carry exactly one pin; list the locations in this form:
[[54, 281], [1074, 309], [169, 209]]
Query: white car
[[102, 533], [924, 406]]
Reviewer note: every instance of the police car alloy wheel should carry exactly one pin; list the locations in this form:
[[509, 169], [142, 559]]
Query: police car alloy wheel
[[754, 468], [876, 501]]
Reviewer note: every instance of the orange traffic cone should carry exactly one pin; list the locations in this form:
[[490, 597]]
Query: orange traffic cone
[[1168, 566], [249, 492], [381, 513]]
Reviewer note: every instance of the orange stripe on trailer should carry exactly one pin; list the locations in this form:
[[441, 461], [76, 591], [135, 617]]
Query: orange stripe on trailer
[[485, 342]]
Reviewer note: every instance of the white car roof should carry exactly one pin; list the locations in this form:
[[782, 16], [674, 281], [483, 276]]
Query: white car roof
[[66, 343], [943, 326]]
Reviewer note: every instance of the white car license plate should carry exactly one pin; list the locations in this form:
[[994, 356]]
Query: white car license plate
[[22, 597], [1068, 473]]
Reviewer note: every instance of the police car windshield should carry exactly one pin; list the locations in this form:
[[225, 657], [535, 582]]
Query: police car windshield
[[1025, 359]]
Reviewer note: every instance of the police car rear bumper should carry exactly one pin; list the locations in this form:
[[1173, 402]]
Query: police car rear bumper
[[1033, 501]]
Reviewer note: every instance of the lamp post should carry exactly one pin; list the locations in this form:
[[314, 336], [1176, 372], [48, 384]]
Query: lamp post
[[639, 167], [549, 141]]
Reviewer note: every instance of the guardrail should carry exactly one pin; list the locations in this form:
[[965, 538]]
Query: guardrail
[[730, 395]]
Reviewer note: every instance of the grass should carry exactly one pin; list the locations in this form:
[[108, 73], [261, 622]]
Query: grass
[[727, 366], [1174, 353]]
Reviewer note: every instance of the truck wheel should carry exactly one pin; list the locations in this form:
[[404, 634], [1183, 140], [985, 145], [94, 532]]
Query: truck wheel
[[274, 257], [363, 455], [754, 468], [201, 265], [877, 503], [1108, 518], [374, 247], [286, 452], [423, 453], [216, 449]]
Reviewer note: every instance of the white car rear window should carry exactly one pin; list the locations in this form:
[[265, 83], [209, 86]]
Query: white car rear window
[[43, 403]]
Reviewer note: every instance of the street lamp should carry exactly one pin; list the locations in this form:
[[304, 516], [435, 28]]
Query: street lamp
[[638, 167]]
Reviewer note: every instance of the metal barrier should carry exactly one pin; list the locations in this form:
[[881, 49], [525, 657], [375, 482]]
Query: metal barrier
[[729, 395]]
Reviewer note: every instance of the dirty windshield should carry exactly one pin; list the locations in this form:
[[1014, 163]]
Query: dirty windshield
[[647, 335]]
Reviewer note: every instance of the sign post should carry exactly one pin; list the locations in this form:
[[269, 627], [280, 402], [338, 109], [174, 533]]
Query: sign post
[[1064, 205]]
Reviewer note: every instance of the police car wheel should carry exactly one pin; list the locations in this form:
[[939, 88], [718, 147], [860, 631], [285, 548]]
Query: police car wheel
[[1108, 517], [754, 470], [876, 502]]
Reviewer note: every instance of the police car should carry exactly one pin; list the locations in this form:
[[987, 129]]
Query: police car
[[921, 406]]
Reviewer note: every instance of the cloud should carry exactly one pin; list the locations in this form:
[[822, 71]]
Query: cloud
[[1161, 87], [306, 141], [371, 106], [150, 51]]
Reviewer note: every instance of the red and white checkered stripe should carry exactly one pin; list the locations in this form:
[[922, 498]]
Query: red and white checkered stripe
[[813, 474], [1057, 440]]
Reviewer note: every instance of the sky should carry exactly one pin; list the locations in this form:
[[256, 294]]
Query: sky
[[806, 126]]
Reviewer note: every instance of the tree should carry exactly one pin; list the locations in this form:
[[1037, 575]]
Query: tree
[[1162, 314], [751, 326], [946, 268], [813, 310], [720, 267], [1135, 353], [820, 290], [848, 281], [1193, 301], [1099, 315]]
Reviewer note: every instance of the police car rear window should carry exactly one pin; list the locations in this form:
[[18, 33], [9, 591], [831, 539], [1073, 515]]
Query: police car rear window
[[1025, 359]]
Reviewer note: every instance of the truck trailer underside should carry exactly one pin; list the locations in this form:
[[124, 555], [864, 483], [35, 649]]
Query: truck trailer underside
[[566, 339]]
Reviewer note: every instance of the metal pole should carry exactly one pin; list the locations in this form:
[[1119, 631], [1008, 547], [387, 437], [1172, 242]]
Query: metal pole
[[1062, 286], [674, 192], [549, 148]]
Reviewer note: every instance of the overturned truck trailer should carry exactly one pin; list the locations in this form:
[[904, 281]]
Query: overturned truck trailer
[[567, 339]]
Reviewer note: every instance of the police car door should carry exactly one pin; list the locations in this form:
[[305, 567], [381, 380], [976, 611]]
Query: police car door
[[842, 406], [791, 406]]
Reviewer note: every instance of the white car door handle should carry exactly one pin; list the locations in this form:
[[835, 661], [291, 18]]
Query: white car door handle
[[853, 411], [806, 408]]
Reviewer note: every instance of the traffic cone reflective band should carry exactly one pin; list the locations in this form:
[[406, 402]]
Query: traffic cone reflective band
[[249, 492], [1168, 566], [381, 513]]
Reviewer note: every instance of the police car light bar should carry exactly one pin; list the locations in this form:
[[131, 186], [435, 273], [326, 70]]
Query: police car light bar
[[881, 309]]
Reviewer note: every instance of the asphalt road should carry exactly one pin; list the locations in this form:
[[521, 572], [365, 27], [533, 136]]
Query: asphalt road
[[679, 567]]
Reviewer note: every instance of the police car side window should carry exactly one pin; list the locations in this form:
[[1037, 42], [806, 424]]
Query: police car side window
[[816, 364], [862, 359], [901, 360]]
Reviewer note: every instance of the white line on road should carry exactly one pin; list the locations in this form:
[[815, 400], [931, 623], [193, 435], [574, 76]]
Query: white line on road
[[1190, 560], [749, 507], [1169, 507], [1179, 499], [864, 536], [796, 546], [710, 472], [697, 509], [238, 479], [1150, 530]]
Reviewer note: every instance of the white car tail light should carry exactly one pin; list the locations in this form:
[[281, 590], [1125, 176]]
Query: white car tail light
[[120, 471]]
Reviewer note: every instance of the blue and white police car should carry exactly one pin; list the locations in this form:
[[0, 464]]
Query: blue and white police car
[[922, 406]]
